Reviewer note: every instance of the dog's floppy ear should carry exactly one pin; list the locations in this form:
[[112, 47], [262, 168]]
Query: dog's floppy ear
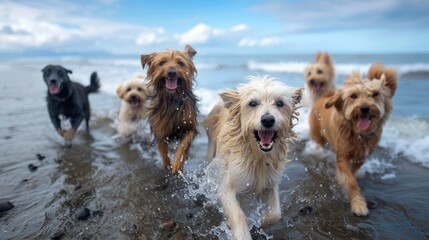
[[229, 98], [335, 100], [377, 70], [146, 59], [46, 67], [119, 91], [297, 95], [68, 71], [190, 51]]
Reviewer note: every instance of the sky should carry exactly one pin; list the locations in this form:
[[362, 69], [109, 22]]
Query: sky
[[125, 27]]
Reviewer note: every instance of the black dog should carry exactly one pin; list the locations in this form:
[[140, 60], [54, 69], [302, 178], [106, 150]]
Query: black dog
[[68, 99]]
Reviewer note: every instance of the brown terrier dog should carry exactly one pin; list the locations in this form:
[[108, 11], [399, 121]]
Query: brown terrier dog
[[319, 79], [351, 121], [173, 107]]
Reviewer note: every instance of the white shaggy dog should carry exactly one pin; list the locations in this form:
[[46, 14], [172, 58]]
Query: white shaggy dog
[[248, 133], [134, 105]]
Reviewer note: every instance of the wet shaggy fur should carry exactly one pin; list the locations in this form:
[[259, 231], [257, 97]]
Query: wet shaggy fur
[[133, 107], [351, 121], [68, 99], [319, 79], [173, 105], [248, 132]]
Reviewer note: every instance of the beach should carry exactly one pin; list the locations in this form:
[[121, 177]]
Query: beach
[[119, 181]]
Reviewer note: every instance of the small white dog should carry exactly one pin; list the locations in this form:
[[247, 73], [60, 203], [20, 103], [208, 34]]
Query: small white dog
[[134, 105], [248, 133]]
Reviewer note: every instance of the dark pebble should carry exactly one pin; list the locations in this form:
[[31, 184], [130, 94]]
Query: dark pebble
[[258, 233], [7, 137], [6, 205], [77, 187], [307, 210], [58, 160], [200, 200], [168, 225], [371, 204], [57, 235], [40, 156], [159, 184], [97, 213], [32, 167], [24, 180], [83, 213], [189, 215]]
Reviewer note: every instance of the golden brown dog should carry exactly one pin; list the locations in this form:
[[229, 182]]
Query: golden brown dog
[[173, 110], [248, 133], [351, 121], [319, 79], [133, 108]]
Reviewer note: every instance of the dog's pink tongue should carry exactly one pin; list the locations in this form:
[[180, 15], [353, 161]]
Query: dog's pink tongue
[[266, 136], [171, 84], [54, 89], [363, 123]]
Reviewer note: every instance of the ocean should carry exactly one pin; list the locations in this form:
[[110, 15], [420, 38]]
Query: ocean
[[115, 178]]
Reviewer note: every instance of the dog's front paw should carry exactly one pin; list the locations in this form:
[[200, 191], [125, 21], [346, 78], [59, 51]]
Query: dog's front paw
[[61, 132], [269, 218], [69, 134], [359, 206]]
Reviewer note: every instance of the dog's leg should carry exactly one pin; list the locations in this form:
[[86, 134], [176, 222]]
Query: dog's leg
[[163, 150], [236, 218], [273, 215], [348, 180], [57, 123], [182, 151]]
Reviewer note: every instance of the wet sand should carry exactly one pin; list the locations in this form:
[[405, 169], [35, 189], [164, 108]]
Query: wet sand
[[116, 181]]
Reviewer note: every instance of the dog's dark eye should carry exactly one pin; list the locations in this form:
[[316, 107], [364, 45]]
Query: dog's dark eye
[[128, 89], [375, 94], [253, 104], [279, 103], [60, 74], [309, 73], [161, 63], [354, 96], [181, 64], [319, 71], [139, 89]]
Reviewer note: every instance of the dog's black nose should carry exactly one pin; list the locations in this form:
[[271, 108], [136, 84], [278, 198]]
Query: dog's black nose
[[53, 81], [364, 109], [312, 81], [171, 73], [133, 98], [268, 120]]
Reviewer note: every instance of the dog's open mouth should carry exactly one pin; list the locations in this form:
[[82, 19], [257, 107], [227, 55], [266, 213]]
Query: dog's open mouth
[[134, 101], [54, 89], [171, 83], [363, 122], [265, 138], [316, 87]]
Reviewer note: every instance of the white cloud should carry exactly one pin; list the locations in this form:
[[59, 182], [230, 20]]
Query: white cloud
[[151, 37], [203, 33], [200, 33], [263, 42], [239, 28]]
